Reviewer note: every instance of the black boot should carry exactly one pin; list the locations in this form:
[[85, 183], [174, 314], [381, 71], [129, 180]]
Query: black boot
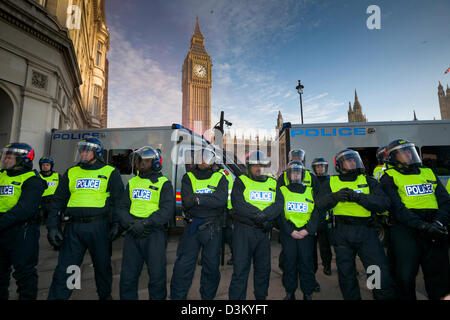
[[316, 287], [290, 296], [307, 297], [327, 270]]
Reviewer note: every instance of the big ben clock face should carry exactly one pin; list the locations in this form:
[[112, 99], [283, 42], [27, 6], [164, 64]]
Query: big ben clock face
[[199, 70]]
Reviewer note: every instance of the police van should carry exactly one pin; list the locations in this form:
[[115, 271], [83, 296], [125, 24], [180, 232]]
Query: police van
[[431, 138], [176, 143]]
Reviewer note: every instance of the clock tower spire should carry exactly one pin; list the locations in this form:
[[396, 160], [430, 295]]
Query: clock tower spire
[[196, 85]]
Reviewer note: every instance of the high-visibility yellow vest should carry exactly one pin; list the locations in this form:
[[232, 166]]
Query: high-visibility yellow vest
[[145, 195], [306, 181], [52, 184], [352, 209], [377, 174], [258, 193], [379, 171], [88, 187], [11, 189], [417, 191], [298, 206], [230, 187], [448, 186], [205, 185]]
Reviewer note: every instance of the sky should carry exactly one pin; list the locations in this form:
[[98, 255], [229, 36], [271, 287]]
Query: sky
[[261, 48]]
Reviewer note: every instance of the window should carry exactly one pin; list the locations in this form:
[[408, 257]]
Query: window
[[437, 158], [368, 157], [120, 158], [96, 100], [98, 60]]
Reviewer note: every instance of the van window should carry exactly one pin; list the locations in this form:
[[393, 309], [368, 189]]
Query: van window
[[119, 158], [437, 158], [368, 157]]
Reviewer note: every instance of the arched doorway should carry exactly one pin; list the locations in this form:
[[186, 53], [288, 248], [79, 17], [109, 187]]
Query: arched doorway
[[6, 117]]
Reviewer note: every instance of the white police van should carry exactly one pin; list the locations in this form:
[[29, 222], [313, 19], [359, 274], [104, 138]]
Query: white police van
[[431, 138], [176, 143]]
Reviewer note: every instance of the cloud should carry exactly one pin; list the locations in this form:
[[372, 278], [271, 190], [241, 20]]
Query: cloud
[[140, 92]]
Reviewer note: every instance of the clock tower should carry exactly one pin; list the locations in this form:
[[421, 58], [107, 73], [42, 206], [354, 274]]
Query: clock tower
[[196, 85]]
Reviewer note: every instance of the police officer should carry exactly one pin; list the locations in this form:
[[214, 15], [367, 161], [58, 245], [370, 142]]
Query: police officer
[[52, 178], [354, 197], [320, 169], [381, 166], [253, 198], [228, 223], [204, 196], [91, 191], [21, 189], [298, 224], [310, 181], [146, 208], [421, 210]]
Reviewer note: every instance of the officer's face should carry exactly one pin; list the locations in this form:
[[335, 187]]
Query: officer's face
[[349, 164], [319, 170], [404, 156], [204, 165], [87, 155], [295, 176], [145, 165], [45, 167], [9, 162], [256, 170]]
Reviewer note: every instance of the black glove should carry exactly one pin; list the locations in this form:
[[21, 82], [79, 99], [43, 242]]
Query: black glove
[[55, 238], [342, 195], [354, 196], [139, 228], [190, 201], [114, 232], [435, 230], [260, 218]]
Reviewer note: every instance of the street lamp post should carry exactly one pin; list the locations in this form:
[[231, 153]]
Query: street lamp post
[[300, 91]]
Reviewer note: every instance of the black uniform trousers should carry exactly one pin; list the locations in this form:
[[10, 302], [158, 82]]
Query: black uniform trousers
[[411, 250], [324, 244], [298, 264], [152, 251], [250, 243], [79, 237], [208, 239], [19, 248], [362, 239], [228, 232]]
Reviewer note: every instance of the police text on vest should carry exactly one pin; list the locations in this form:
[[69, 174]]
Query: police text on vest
[[88, 184], [419, 189], [141, 194], [300, 207], [6, 190], [260, 196]]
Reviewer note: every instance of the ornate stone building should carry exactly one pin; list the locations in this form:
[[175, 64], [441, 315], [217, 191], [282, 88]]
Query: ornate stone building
[[355, 114], [196, 85], [444, 102], [49, 72], [86, 23]]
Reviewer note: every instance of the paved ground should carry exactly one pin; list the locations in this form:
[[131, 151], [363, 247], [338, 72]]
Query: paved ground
[[329, 284]]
